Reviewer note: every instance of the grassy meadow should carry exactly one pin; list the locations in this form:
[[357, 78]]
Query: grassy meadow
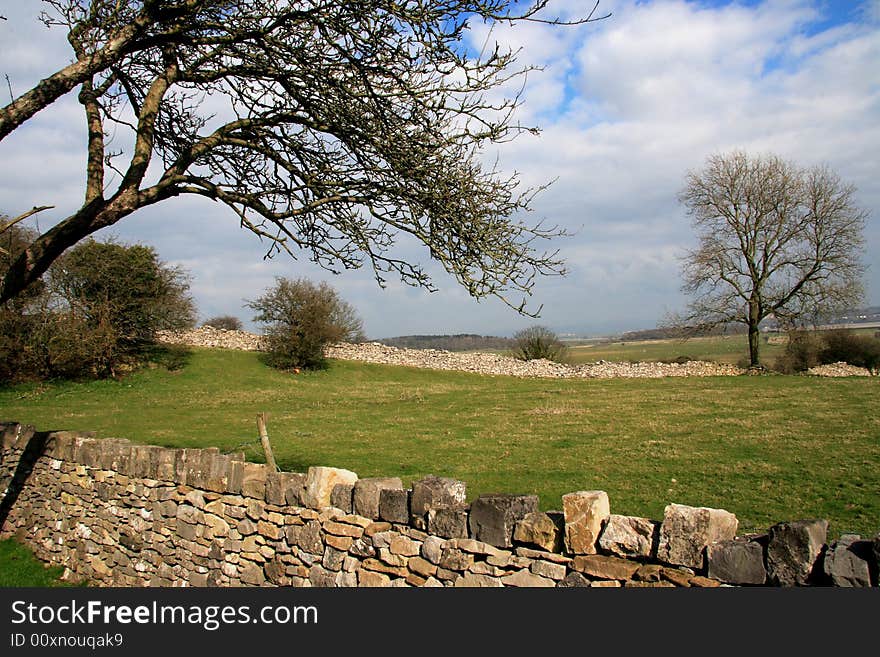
[[768, 448]]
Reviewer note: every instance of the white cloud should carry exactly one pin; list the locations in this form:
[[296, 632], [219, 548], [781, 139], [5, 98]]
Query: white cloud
[[627, 105]]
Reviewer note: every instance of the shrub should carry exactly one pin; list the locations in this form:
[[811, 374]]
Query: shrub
[[300, 318], [96, 310], [842, 345], [226, 322], [800, 354], [538, 342]]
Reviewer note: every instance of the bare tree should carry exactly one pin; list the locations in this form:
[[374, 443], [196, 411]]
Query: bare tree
[[773, 240], [330, 128]]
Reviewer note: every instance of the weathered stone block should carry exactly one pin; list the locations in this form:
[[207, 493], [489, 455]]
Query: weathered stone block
[[320, 577], [366, 494], [524, 578], [448, 523], [370, 579], [342, 496], [586, 513], [493, 518], [293, 485], [793, 551], [604, 567], [253, 483], [436, 493], [472, 580], [320, 482], [573, 580], [687, 530], [628, 536], [736, 562], [846, 562], [394, 505], [540, 530], [554, 571]]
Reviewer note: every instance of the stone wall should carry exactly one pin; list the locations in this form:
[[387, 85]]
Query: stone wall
[[118, 513]]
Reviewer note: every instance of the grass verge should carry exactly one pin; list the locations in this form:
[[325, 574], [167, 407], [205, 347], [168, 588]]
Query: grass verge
[[767, 448]]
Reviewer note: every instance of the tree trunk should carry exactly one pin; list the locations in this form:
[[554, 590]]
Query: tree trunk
[[754, 333]]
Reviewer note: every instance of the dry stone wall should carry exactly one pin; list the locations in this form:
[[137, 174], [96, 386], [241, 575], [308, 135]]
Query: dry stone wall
[[439, 359], [122, 514]]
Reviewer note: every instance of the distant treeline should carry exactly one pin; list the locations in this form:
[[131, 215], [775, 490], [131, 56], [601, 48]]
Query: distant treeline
[[459, 342], [667, 333]]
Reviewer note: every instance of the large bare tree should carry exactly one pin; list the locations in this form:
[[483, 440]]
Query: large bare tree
[[330, 127], [773, 239]]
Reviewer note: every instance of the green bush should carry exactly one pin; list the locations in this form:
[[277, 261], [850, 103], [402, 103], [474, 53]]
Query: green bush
[[225, 322], [300, 318], [842, 345], [93, 314], [538, 342], [800, 354]]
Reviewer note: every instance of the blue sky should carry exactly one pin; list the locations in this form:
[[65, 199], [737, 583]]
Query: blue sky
[[626, 105]]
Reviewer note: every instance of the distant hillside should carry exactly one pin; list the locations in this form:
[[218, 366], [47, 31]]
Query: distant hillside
[[459, 342]]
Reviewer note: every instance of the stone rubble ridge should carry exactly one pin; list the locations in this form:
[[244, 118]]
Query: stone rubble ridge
[[476, 362], [123, 514]]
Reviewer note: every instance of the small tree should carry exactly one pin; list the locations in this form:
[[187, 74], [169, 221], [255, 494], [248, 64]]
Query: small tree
[[538, 342], [300, 318], [98, 307], [225, 322], [773, 240], [126, 287]]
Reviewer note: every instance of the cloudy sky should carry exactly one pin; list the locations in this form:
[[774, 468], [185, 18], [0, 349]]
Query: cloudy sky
[[626, 105]]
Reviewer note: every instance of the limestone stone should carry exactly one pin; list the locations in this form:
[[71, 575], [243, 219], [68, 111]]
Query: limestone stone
[[370, 579], [333, 558], [539, 530], [648, 573], [736, 562], [585, 515], [605, 567], [493, 518], [454, 559], [404, 546], [321, 577], [307, 536], [605, 584], [554, 571], [628, 536], [343, 529], [524, 578], [346, 580], [704, 582], [573, 580], [396, 560], [635, 584], [472, 580], [376, 528], [341, 497], [687, 531], [293, 484], [366, 494], [432, 549], [436, 493], [253, 483], [252, 573], [421, 567], [793, 551], [448, 523], [383, 539], [339, 542], [380, 567], [394, 505], [362, 548], [846, 562], [472, 546], [677, 577], [320, 482]]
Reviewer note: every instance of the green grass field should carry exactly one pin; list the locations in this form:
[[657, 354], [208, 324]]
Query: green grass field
[[767, 448], [732, 349], [19, 567]]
